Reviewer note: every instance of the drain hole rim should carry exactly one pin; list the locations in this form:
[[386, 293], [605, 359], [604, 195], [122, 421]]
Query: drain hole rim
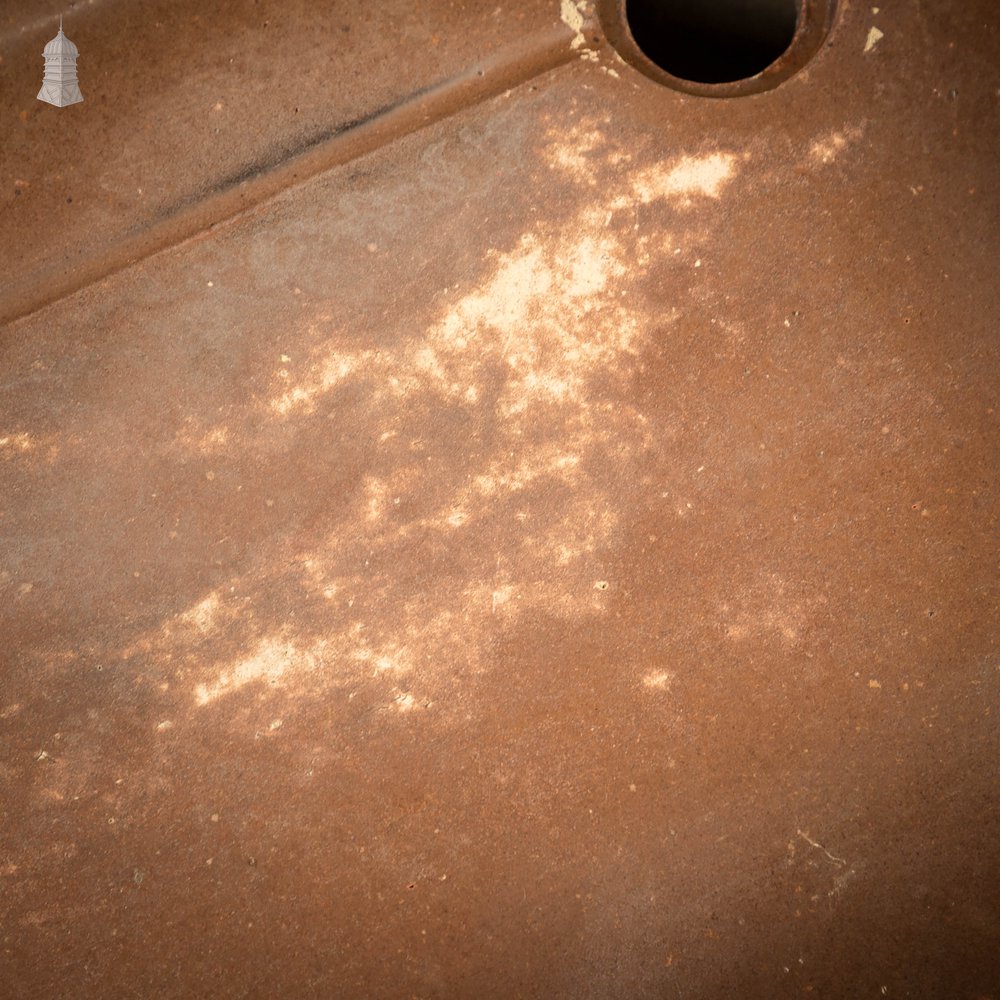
[[814, 22]]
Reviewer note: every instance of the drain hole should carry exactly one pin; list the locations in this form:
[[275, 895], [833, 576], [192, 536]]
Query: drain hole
[[712, 41]]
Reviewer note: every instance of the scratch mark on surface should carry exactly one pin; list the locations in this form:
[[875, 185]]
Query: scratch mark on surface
[[820, 847]]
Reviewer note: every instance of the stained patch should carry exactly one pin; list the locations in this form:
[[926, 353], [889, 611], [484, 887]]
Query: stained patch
[[538, 350], [268, 664], [828, 148]]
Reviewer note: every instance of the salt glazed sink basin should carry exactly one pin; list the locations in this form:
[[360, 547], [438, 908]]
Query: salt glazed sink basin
[[498, 500]]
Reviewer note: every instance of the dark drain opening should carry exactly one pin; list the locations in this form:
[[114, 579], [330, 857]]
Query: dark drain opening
[[712, 41]]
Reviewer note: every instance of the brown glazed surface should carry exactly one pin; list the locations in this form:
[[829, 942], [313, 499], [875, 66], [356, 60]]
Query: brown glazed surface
[[548, 549]]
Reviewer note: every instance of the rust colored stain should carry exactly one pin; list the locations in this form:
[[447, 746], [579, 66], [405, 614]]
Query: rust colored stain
[[552, 554]]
